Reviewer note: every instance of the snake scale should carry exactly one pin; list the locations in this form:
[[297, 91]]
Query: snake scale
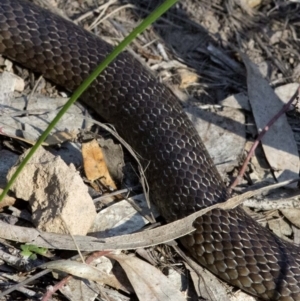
[[181, 175]]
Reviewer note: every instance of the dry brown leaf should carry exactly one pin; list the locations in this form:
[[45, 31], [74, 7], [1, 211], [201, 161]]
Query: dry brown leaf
[[251, 3], [77, 290], [296, 233], [94, 164], [285, 92], [280, 227], [293, 215], [117, 219], [84, 271], [148, 282], [10, 82], [148, 55], [60, 137], [41, 111], [114, 158], [7, 201], [223, 133], [187, 78], [279, 143], [208, 285], [148, 238]]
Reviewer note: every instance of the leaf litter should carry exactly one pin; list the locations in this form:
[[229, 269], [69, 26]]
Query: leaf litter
[[206, 67]]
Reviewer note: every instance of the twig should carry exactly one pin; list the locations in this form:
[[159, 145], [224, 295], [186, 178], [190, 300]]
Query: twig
[[260, 136], [23, 283], [149, 238]]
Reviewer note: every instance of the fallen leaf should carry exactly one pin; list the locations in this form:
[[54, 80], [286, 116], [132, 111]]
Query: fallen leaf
[[207, 285], [279, 143], [114, 158], [280, 227], [293, 215], [148, 282], [118, 219], [41, 111], [10, 82], [223, 133], [77, 290], [85, 271], [187, 78], [285, 92], [7, 201], [94, 164]]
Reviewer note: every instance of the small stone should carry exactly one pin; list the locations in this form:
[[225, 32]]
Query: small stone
[[58, 197]]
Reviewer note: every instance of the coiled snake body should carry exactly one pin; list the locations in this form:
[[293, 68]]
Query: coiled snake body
[[181, 175]]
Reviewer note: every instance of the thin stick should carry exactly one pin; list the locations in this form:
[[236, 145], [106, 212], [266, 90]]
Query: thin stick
[[260, 136]]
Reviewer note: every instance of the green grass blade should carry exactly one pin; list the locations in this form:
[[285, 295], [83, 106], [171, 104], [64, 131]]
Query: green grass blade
[[77, 93]]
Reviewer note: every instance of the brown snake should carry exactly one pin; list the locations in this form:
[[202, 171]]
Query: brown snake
[[181, 175]]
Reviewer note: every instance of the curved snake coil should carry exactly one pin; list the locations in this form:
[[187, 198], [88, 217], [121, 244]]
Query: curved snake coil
[[181, 175]]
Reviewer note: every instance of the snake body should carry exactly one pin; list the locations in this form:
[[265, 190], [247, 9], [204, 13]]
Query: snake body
[[180, 173]]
